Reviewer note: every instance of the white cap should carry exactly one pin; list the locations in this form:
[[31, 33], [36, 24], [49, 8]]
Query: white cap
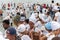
[[25, 37], [21, 28], [32, 18], [55, 25]]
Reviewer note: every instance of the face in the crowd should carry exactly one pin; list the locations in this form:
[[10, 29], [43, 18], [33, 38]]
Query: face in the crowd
[[10, 37], [35, 7], [31, 24], [5, 25], [57, 32]]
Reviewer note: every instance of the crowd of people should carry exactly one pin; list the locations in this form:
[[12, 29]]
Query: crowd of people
[[31, 22]]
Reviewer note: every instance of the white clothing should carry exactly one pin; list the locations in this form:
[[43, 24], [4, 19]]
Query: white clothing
[[32, 18], [58, 16], [21, 28], [25, 37], [50, 37], [38, 24], [55, 8], [27, 27], [45, 18], [55, 25]]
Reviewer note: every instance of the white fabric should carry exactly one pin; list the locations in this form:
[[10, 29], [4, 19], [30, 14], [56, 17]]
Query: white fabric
[[50, 37], [25, 37], [36, 14], [55, 8], [58, 16], [2, 37], [55, 25], [38, 24], [1, 34], [37, 30], [32, 18], [8, 17], [22, 18], [27, 27], [52, 6], [21, 28], [45, 18], [45, 32]]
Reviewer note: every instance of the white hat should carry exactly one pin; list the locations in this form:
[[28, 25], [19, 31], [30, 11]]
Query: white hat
[[32, 18], [55, 25], [21, 28], [25, 37]]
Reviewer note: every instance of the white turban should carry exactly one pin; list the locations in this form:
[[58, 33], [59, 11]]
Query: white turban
[[55, 25], [21, 28]]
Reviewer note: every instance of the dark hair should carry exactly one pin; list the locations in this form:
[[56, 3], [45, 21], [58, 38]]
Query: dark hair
[[59, 10], [18, 13], [6, 21], [17, 6], [22, 15], [57, 3], [38, 12], [52, 1], [48, 13], [27, 20], [56, 38]]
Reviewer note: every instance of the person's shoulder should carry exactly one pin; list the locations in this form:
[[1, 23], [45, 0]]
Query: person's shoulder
[[57, 13]]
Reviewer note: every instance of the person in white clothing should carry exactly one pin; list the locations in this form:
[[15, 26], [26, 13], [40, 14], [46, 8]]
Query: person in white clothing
[[21, 30], [57, 16], [46, 17]]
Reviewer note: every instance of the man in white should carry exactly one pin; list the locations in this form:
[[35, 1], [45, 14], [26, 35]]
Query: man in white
[[1, 36], [21, 31], [45, 17], [55, 30], [57, 16]]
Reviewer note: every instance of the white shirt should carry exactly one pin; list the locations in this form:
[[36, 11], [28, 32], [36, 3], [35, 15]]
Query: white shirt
[[58, 16], [21, 28], [27, 27], [45, 18], [52, 5], [50, 37], [38, 24], [55, 8], [49, 19], [32, 18]]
